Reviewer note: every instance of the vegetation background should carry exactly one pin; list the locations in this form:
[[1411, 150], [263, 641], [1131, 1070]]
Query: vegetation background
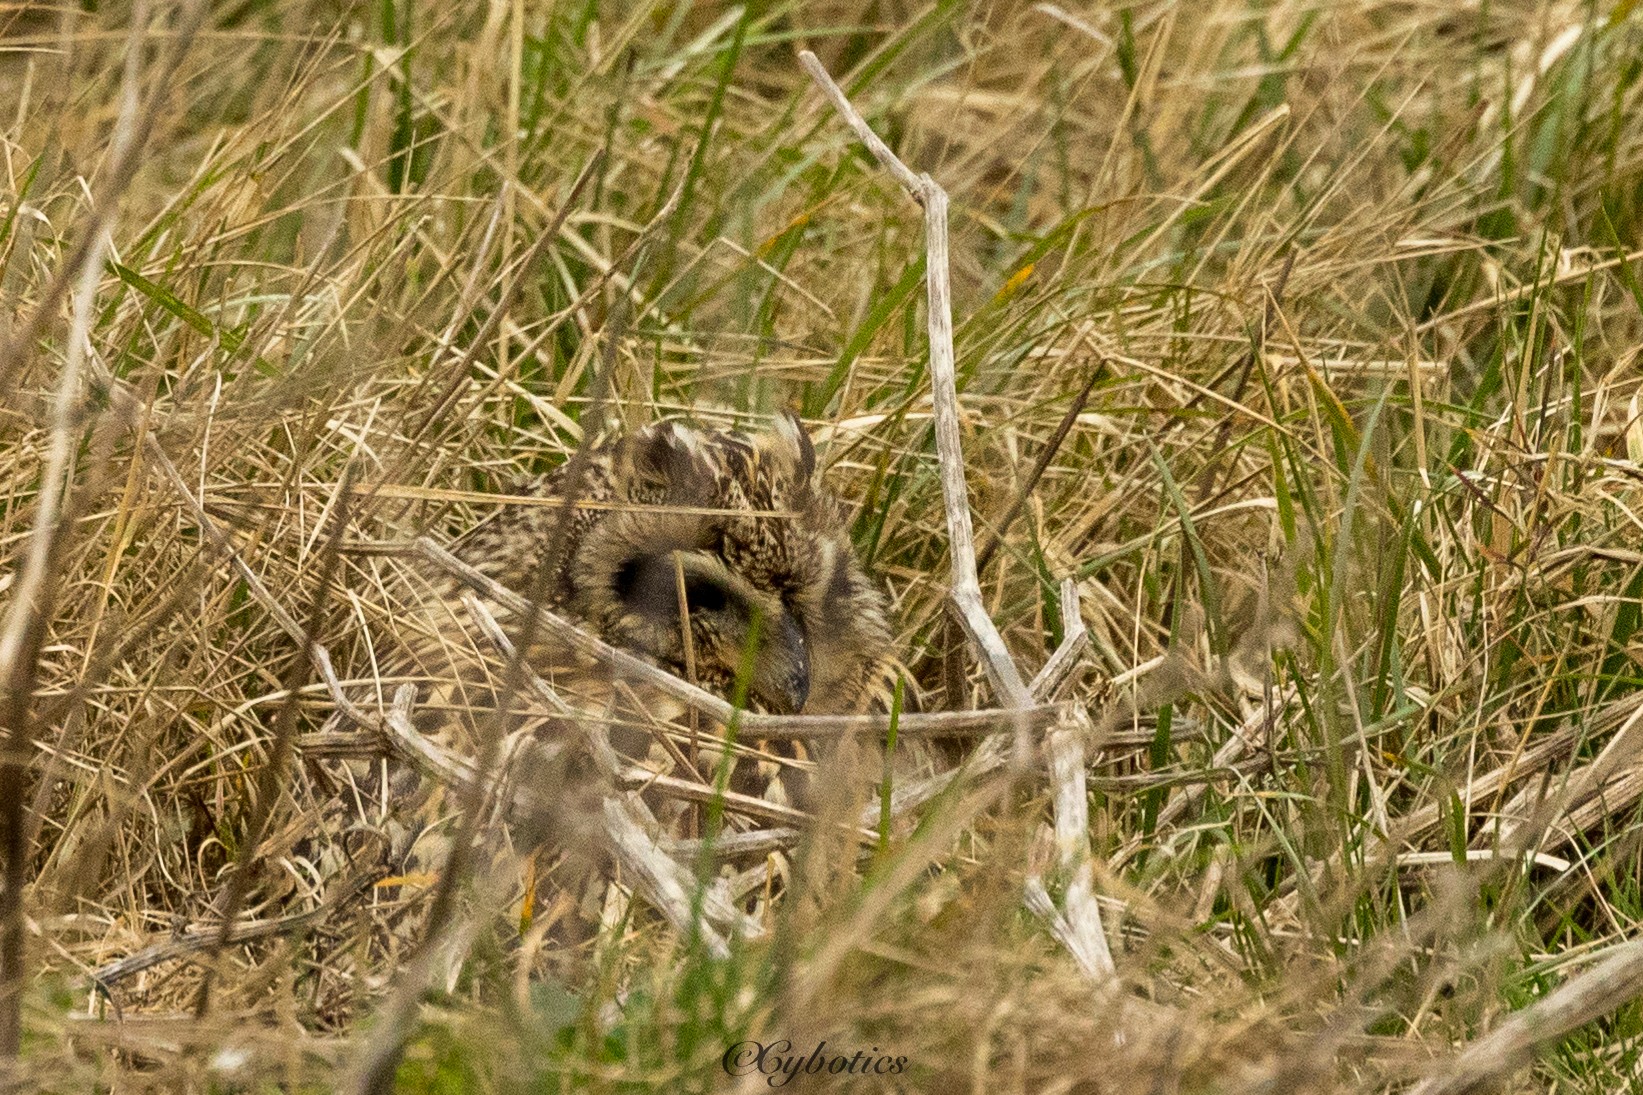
[[1340, 301]]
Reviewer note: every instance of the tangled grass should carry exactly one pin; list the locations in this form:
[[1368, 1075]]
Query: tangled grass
[[1304, 337]]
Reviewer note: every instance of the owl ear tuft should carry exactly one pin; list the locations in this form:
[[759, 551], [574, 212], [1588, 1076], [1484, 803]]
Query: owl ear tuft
[[791, 430], [664, 455]]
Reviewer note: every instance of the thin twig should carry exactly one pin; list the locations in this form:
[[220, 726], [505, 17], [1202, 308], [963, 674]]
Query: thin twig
[[1085, 936], [995, 538], [1489, 1061], [966, 587], [104, 977], [751, 723], [24, 628], [1096, 964], [629, 824], [271, 780], [259, 591], [525, 274], [864, 133]]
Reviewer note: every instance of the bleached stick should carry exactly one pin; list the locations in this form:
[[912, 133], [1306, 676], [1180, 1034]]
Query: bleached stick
[[1488, 1062], [1080, 928], [966, 590], [629, 824], [1075, 636], [1072, 842]]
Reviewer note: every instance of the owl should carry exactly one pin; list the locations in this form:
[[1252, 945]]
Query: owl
[[715, 553]]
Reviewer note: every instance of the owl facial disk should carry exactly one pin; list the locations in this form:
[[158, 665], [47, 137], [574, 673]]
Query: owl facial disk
[[726, 615]]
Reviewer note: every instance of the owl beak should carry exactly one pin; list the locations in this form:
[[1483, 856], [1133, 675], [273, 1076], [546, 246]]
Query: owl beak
[[782, 682]]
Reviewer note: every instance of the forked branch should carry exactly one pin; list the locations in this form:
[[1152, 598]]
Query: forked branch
[[1079, 927]]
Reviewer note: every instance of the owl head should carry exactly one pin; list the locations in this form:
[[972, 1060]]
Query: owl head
[[721, 556]]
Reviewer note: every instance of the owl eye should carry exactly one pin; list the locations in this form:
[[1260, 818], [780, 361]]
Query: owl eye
[[650, 584], [625, 582], [705, 595]]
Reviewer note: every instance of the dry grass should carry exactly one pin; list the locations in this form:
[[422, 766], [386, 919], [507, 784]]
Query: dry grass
[[1353, 507]]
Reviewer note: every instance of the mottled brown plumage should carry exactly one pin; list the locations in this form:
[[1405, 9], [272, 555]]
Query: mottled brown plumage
[[729, 530]]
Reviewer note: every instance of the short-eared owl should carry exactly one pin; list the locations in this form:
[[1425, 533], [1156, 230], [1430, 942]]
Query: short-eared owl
[[682, 545]]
